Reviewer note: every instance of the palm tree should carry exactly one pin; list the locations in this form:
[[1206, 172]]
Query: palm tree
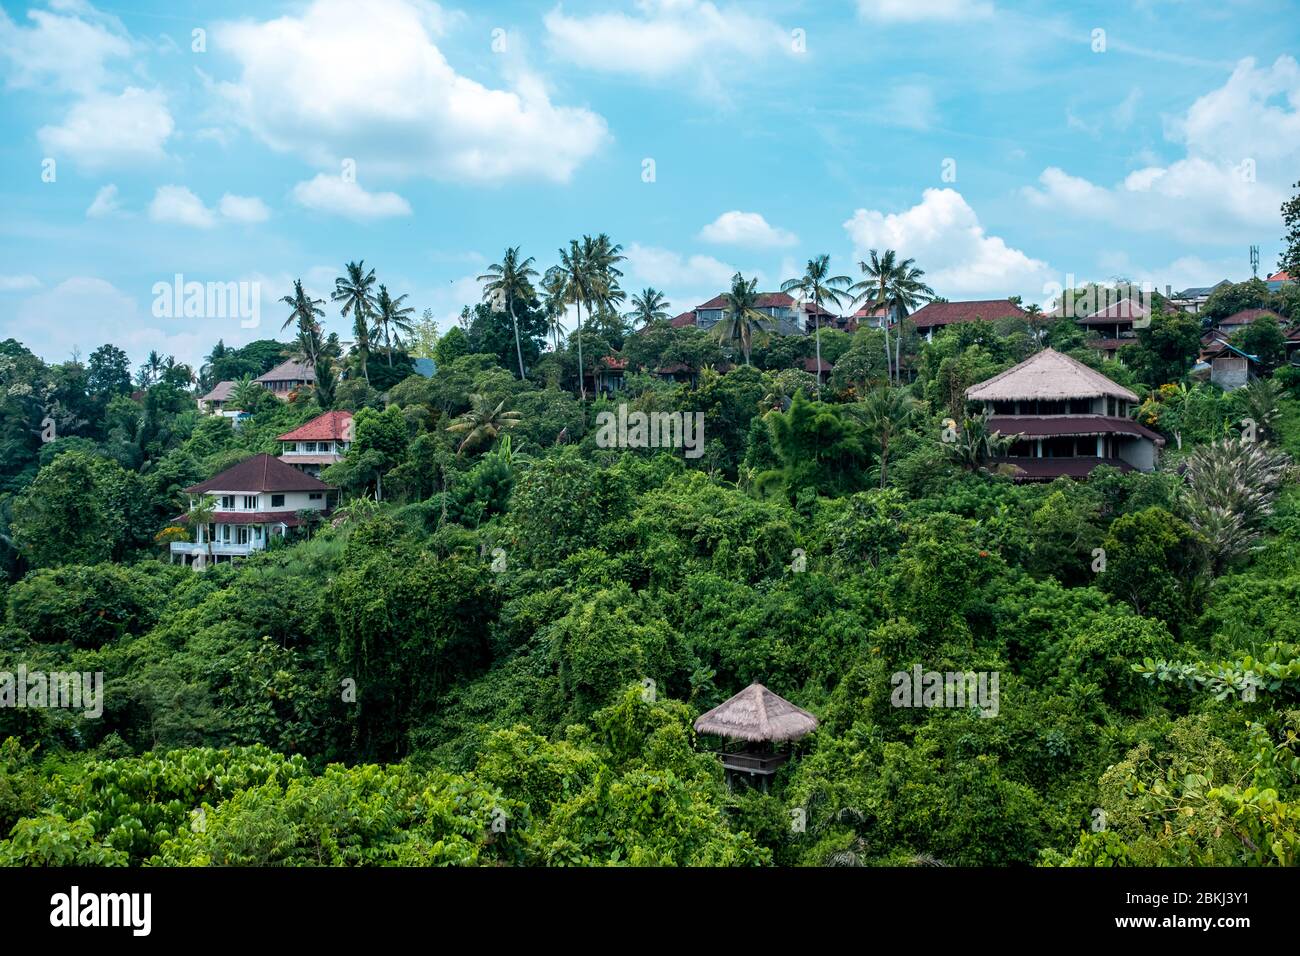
[[818, 285], [353, 291], [483, 422], [508, 280], [885, 411], [577, 282], [305, 313], [741, 321], [246, 395], [200, 515], [602, 254], [975, 446], [649, 306], [553, 285], [1259, 401], [390, 315], [896, 287]]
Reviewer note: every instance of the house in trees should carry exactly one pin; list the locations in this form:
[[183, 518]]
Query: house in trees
[[784, 315], [1244, 317], [319, 443], [1066, 418], [257, 500], [217, 401], [287, 377], [1115, 325], [934, 316]]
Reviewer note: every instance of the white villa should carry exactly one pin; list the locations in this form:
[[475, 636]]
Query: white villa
[[319, 443], [256, 500]]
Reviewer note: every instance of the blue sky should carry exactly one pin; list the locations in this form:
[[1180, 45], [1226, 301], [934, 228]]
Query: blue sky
[[1004, 145]]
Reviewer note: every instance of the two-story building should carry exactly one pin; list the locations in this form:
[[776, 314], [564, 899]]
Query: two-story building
[[257, 500], [1067, 419], [1116, 325], [287, 378], [317, 444], [784, 315]]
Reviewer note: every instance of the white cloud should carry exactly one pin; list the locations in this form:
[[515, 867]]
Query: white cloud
[[176, 204], [915, 11], [83, 312], [666, 38], [330, 85], [64, 50], [102, 130], [746, 229], [343, 197], [1242, 144], [687, 280], [243, 208], [104, 204], [18, 283], [943, 234]]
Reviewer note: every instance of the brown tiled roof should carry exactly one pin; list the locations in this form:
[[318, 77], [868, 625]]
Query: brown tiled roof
[[810, 365], [290, 371], [332, 426], [1247, 316], [1051, 426], [259, 473], [949, 313], [685, 320]]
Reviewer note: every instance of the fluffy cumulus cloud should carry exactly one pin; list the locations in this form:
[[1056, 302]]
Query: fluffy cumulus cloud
[[944, 235], [180, 206], [746, 229], [66, 48], [330, 86], [243, 208], [102, 130], [344, 197], [83, 312], [664, 38], [687, 280], [915, 11], [1242, 145]]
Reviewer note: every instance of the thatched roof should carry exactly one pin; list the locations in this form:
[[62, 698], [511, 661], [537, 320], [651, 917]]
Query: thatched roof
[[757, 714], [1047, 375]]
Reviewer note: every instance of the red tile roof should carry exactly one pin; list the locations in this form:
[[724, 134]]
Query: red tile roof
[[1247, 316], [614, 363], [332, 426], [685, 320], [949, 313], [257, 474], [1280, 277]]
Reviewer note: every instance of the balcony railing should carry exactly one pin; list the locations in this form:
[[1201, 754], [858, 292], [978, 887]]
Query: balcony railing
[[222, 548]]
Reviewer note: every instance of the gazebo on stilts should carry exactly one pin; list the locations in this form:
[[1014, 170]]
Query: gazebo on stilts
[[756, 721]]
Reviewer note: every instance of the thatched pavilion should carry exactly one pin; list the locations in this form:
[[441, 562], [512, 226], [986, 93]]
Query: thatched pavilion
[[757, 720]]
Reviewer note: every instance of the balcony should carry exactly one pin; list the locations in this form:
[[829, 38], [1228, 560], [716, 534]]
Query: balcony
[[223, 549], [748, 761]]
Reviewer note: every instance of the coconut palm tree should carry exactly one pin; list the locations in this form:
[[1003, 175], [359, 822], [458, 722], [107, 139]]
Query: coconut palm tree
[[553, 286], [818, 285], [602, 257], [305, 312], [246, 395], [353, 291], [200, 514], [510, 280], [741, 321], [885, 411], [897, 287], [649, 306], [577, 283], [483, 422], [389, 315]]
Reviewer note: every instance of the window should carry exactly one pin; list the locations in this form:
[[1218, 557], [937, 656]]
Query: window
[[314, 496], [250, 502], [277, 501], [309, 446], [228, 502]]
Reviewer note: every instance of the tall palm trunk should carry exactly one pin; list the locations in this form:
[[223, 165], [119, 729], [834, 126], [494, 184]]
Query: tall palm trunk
[[519, 353], [817, 335], [582, 375]]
